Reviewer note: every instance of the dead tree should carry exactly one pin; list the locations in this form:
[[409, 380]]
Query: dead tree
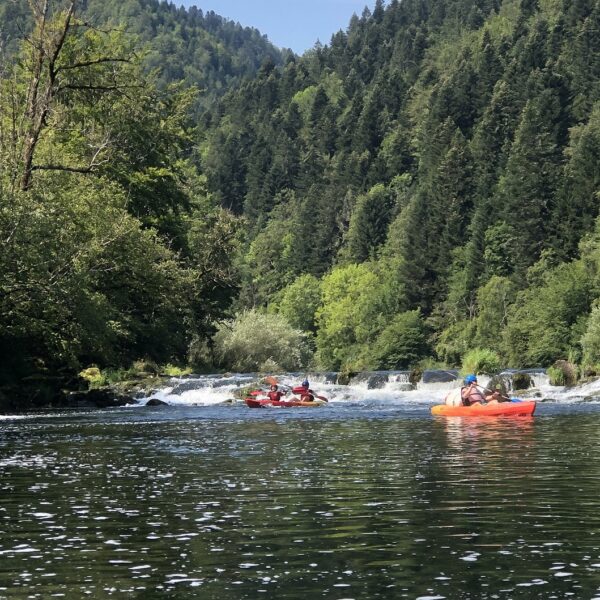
[[50, 78]]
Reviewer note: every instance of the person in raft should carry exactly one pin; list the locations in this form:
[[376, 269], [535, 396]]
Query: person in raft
[[307, 395], [275, 394], [470, 393]]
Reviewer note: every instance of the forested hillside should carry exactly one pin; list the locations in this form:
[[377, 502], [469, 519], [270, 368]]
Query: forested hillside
[[200, 49], [422, 190], [425, 185]]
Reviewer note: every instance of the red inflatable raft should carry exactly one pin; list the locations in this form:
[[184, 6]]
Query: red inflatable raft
[[266, 403], [525, 408]]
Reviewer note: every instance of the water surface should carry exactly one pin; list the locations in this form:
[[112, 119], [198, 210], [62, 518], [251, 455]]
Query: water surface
[[349, 501]]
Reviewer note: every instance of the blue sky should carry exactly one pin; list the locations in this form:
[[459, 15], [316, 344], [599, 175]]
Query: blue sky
[[295, 24]]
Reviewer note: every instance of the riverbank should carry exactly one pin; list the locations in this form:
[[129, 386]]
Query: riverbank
[[149, 384], [47, 393]]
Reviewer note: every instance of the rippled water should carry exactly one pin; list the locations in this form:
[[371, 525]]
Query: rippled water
[[343, 502]]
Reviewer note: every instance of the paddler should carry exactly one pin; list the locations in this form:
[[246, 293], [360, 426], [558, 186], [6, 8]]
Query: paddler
[[472, 394], [307, 394], [274, 394]]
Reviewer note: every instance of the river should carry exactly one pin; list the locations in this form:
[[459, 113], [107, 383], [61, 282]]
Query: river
[[369, 497]]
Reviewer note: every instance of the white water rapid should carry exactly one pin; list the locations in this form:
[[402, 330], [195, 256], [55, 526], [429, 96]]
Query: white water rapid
[[370, 387]]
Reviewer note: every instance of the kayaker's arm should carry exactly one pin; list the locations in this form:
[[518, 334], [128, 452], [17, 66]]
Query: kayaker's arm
[[494, 394]]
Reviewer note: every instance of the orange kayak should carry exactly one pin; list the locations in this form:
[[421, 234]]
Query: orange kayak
[[525, 408]]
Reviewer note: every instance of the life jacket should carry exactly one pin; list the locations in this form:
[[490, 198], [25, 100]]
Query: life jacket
[[474, 396], [306, 394], [275, 396]]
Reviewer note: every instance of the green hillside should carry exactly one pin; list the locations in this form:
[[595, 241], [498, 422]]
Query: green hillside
[[436, 169], [200, 48]]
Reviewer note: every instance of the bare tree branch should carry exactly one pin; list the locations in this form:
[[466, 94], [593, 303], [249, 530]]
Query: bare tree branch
[[49, 80], [90, 63], [94, 163], [96, 88], [38, 107]]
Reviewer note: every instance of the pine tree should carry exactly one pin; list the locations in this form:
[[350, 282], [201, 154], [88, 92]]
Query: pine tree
[[369, 223], [528, 187], [577, 207]]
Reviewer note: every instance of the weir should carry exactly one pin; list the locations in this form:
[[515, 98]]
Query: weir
[[372, 387]]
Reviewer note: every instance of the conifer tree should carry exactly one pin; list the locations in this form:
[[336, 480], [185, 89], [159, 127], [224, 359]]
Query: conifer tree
[[577, 207], [527, 189]]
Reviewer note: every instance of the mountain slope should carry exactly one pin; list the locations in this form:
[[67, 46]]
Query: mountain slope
[[446, 144], [201, 49]]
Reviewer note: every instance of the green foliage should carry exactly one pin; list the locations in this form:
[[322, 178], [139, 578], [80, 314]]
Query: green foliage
[[556, 376], [347, 318], [437, 163], [401, 344], [494, 145], [131, 260], [546, 321], [255, 339], [272, 257], [140, 371], [500, 250], [590, 341], [454, 341], [93, 376], [562, 372], [84, 292], [299, 301], [356, 305], [481, 361], [577, 205], [212, 242], [175, 370], [204, 49], [527, 188], [494, 300], [368, 224]]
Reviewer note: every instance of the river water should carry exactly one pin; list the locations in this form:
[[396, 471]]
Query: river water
[[364, 498]]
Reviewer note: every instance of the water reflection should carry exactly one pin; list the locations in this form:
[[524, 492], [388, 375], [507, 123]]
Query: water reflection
[[229, 507]]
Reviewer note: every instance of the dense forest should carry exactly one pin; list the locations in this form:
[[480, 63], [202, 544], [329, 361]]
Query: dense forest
[[422, 190], [425, 186], [199, 49]]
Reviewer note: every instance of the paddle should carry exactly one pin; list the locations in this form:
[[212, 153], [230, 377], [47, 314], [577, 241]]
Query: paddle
[[495, 392]]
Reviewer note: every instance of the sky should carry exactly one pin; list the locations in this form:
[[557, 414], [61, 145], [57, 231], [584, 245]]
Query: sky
[[295, 24]]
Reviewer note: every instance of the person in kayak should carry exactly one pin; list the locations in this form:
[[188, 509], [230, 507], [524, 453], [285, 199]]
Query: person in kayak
[[471, 393], [275, 394], [307, 395]]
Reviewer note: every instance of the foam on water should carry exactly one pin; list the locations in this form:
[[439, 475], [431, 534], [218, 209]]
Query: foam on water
[[385, 387], [589, 392]]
